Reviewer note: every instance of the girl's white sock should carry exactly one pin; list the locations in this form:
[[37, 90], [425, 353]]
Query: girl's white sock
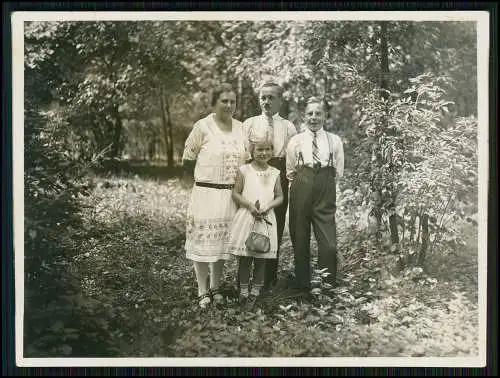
[[244, 290], [256, 288]]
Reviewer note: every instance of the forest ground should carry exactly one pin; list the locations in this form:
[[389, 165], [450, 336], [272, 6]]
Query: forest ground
[[133, 265]]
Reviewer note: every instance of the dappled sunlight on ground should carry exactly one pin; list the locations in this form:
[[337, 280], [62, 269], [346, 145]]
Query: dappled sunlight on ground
[[135, 263]]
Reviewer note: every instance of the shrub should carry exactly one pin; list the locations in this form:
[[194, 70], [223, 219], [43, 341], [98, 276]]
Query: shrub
[[58, 320]]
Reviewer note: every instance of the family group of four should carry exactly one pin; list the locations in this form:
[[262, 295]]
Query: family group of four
[[246, 176]]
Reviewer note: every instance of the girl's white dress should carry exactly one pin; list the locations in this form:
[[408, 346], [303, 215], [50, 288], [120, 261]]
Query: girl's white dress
[[258, 185]]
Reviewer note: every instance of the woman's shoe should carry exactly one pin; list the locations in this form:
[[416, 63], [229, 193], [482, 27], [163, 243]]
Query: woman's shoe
[[204, 300], [217, 297]]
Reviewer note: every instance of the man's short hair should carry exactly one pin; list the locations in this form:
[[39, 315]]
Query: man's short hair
[[316, 100], [271, 84]]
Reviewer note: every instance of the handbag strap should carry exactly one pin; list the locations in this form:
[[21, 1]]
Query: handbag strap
[[267, 225]]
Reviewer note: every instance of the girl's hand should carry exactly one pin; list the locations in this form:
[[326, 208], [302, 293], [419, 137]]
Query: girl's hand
[[265, 210], [254, 211]]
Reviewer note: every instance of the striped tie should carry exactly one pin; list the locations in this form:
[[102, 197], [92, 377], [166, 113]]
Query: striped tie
[[270, 121], [270, 131], [315, 152]]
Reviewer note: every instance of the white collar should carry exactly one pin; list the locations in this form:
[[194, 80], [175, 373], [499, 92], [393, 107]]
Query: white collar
[[275, 116], [318, 133]]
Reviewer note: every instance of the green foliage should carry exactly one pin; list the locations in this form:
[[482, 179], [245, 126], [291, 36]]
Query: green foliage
[[132, 257], [110, 75], [414, 161], [51, 193], [58, 321], [406, 326], [100, 273]]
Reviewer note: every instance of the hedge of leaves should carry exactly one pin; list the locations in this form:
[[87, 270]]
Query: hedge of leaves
[[57, 319]]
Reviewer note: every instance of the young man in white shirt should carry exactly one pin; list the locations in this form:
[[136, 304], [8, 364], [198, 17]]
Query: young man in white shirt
[[315, 158], [282, 130]]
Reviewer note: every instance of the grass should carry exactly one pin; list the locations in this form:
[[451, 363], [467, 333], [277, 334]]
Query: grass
[[133, 264]]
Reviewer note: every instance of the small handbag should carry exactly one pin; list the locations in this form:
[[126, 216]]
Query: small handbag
[[258, 242]]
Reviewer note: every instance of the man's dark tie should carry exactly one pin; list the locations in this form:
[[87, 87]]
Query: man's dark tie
[[315, 152]]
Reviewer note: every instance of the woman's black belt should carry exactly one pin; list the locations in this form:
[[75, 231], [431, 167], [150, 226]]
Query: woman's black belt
[[214, 186]]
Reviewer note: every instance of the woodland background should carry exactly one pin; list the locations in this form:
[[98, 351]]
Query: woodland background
[[108, 106]]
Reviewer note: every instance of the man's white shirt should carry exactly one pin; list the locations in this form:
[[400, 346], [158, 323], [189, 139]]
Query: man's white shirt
[[302, 143]]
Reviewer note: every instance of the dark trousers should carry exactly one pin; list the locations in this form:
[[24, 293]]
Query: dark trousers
[[271, 272], [313, 202]]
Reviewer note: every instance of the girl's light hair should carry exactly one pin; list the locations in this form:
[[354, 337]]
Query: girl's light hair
[[262, 139]]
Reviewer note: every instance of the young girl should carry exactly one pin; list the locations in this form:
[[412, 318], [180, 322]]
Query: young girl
[[257, 192]]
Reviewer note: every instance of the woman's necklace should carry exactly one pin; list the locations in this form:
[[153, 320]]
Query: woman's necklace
[[258, 167]]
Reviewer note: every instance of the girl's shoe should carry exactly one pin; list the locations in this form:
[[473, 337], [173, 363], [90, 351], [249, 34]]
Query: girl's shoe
[[217, 297], [242, 299], [250, 302], [204, 300]]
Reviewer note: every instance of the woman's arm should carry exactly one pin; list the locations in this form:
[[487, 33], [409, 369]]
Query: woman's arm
[[188, 172], [192, 148]]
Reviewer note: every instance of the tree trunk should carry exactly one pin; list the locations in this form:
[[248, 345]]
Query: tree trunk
[[285, 109], [384, 59], [412, 227], [425, 239], [117, 133], [393, 225], [170, 156], [167, 128], [384, 85], [403, 226], [419, 227], [239, 99]]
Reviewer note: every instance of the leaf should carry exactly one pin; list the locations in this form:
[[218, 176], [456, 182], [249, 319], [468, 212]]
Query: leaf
[[32, 234], [58, 326], [318, 271], [66, 349], [287, 308]]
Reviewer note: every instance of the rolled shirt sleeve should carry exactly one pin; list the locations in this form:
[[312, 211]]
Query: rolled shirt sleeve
[[193, 143], [291, 158]]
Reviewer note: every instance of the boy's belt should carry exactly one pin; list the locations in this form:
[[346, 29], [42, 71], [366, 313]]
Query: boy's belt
[[317, 168], [214, 186]]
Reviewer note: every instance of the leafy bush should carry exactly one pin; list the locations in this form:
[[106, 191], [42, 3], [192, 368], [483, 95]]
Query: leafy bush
[[58, 320], [404, 325]]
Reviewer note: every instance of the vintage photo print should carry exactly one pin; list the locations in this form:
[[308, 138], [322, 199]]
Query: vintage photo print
[[250, 188]]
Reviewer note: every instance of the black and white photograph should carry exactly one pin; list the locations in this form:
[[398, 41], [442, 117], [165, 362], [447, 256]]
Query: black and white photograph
[[250, 188]]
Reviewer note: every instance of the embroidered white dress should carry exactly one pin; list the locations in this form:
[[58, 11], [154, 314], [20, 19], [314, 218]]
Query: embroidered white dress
[[210, 211], [258, 185]]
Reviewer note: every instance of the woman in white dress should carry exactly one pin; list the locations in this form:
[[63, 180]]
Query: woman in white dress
[[213, 151]]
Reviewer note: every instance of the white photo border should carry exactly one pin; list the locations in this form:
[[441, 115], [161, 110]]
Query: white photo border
[[483, 57]]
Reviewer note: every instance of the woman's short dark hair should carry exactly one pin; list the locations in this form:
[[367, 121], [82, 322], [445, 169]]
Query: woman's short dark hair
[[221, 88]]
